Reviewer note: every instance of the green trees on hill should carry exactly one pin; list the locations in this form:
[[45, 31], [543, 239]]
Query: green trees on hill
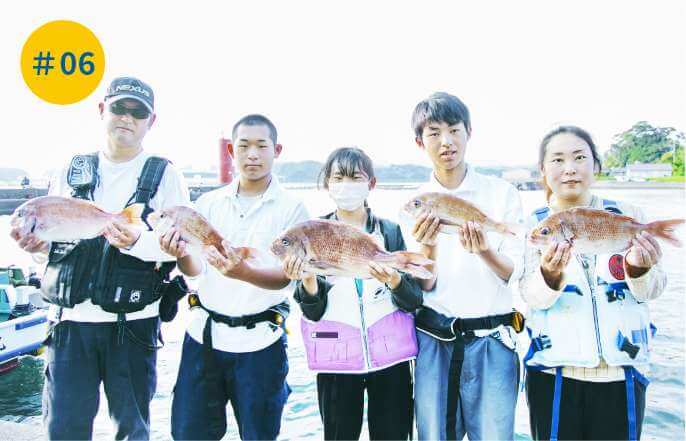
[[677, 160], [647, 144]]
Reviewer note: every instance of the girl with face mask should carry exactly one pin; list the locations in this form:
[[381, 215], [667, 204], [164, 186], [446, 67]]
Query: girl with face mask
[[588, 314], [359, 334]]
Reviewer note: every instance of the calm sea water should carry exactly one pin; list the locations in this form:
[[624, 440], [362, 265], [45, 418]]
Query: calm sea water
[[20, 390]]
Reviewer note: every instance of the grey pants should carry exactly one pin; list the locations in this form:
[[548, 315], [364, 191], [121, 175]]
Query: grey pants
[[489, 380], [80, 356]]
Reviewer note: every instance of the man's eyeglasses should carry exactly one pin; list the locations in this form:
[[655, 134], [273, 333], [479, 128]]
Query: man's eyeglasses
[[137, 112]]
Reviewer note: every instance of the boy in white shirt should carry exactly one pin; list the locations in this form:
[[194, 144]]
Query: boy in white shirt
[[465, 383], [234, 349]]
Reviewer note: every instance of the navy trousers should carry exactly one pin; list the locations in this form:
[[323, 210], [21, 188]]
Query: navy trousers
[[254, 383], [588, 410], [81, 356], [389, 407]]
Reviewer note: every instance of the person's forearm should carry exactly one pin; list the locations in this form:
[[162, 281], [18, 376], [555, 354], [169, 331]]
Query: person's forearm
[[266, 278], [310, 285], [407, 295], [189, 265], [500, 264]]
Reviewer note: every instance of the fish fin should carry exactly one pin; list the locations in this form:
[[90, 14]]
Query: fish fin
[[417, 271], [133, 214], [566, 233], [318, 264], [412, 263], [247, 252], [665, 230]]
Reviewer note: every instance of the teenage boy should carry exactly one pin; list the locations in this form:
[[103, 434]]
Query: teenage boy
[[467, 385], [105, 324], [234, 349]]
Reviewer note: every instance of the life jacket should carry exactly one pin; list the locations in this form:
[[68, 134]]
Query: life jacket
[[361, 330], [92, 268], [595, 316]]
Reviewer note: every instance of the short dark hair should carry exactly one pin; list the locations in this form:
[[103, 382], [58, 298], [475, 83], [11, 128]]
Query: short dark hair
[[440, 107], [579, 133], [255, 120], [347, 160]]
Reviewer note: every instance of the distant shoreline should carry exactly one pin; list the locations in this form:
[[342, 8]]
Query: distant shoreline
[[640, 185], [14, 192]]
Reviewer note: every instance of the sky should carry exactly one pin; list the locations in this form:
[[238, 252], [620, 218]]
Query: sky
[[332, 74]]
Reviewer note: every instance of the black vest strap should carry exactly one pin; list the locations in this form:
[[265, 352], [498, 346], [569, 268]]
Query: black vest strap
[[149, 180], [148, 183]]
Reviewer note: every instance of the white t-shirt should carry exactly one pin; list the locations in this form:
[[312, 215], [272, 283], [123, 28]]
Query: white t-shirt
[[271, 213], [118, 183], [245, 203], [466, 287]]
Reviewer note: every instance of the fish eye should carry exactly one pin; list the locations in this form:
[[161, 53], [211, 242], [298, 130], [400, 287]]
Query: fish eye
[[417, 203], [285, 242], [545, 231]]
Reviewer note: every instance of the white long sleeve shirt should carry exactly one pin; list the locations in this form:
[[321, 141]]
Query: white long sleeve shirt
[[257, 227], [118, 182], [466, 287]]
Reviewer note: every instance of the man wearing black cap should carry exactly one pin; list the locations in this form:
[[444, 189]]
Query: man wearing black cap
[[105, 314]]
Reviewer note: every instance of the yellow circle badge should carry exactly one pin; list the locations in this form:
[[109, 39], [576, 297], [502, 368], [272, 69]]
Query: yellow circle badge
[[62, 62]]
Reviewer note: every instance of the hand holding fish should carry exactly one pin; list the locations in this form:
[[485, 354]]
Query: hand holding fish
[[473, 238], [594, 231], [385, 274], [294, 267], [229, 266], [333, 248], [453, 212], [172, 244], [426, 228], [644, 253], [120, 236], [553, 262], [29, 242]]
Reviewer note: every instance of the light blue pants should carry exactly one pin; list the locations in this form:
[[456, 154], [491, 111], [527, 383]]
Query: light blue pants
[[488, 389]]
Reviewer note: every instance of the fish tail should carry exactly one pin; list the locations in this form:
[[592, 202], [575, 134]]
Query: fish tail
[[414, 264], [246, 252], [665, 230], [510, 229], [133, 214]]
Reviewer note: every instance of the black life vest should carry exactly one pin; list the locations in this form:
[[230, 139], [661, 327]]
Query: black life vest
[[94, 269]]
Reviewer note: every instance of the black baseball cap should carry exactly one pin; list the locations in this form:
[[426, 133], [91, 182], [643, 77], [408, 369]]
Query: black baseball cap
[[130, 87]]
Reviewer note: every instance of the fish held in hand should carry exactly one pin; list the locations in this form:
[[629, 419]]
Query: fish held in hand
[[331, 247], [195, 230], [593, 231], [60, 219], [453, 212]]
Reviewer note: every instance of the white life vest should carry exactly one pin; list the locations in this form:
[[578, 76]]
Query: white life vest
[[595, 316]]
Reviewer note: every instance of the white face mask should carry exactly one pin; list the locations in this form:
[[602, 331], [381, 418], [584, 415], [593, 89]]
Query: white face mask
[[349, 196]]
